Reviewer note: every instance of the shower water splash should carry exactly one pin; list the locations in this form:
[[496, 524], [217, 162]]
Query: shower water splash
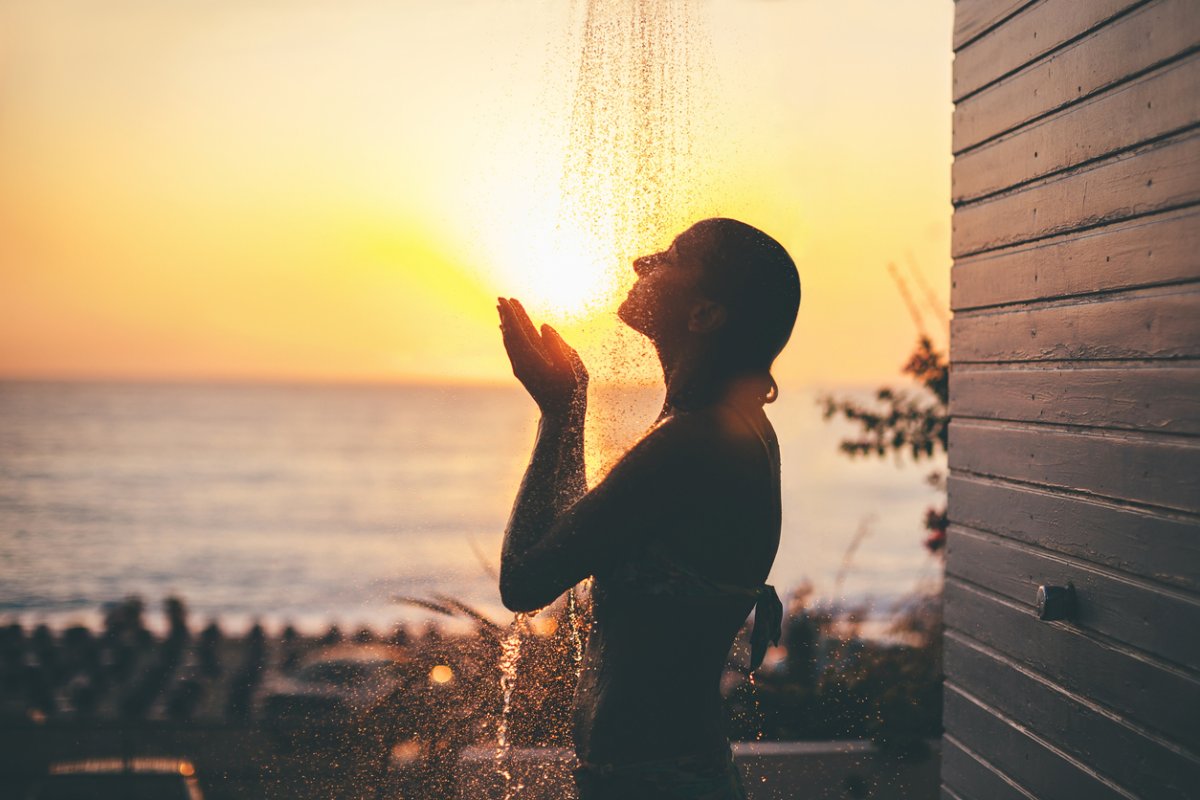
[[629, 177], [620, 154]]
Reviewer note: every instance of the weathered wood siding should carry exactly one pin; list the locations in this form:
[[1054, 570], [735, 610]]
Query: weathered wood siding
[[1075, 397]]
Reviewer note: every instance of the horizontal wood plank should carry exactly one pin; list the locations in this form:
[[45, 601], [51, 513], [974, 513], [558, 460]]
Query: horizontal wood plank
[[1150, 35], [1154, 323], [1146, 766], [973, 17], [1135, 183], [1149, 470], [969, 775], [1037, 30], [1020, 753], [1146, 692], [1160, 399], [1163, 248], [1139, 614], [1141, 543], [1160, 103]]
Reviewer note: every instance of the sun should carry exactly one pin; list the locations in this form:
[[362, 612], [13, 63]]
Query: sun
[[572, 277], [561, 276]]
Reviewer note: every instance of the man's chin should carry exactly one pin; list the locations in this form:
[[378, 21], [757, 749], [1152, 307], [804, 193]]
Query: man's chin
[[623, 311], [636, 321], [627, 313]]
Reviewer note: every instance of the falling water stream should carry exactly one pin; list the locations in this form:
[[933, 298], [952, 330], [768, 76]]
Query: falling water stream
[[510, 658], [575, 617]]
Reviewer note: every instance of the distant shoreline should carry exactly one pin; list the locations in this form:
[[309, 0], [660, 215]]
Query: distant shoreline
[[309, 382]]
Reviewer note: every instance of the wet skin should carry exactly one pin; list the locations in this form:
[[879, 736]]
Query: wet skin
[[700, 485]]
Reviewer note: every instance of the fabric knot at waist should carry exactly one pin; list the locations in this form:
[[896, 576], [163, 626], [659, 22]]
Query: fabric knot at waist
[[768, 624]]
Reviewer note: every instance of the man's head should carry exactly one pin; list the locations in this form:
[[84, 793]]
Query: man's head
[[722, 284]]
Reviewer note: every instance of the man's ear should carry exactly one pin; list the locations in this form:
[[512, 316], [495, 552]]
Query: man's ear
[[706, 317]]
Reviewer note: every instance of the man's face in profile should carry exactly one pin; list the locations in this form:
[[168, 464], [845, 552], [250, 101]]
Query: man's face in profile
[[665, 284]]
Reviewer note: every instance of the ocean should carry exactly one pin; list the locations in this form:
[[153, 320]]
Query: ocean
[[319, 504]]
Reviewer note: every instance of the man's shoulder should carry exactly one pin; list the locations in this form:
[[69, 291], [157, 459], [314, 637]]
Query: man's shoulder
[[704, 432]]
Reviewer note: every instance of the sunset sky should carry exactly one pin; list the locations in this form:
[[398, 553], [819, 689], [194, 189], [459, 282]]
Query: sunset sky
[[301, 190]]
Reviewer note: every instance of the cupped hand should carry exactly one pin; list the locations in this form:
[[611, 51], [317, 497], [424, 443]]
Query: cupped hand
[[549, 368]]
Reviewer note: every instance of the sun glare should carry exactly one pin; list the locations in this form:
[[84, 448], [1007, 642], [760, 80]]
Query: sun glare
[[568, 277], [559, 270]]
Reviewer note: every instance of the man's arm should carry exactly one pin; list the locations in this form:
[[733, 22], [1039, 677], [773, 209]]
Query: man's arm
[[641, 493], [556, 378], [572, 471]]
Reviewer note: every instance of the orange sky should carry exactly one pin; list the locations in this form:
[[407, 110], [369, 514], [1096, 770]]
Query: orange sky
[[285, 190]]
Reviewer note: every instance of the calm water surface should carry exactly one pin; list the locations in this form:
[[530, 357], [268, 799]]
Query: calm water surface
[[321, 503]]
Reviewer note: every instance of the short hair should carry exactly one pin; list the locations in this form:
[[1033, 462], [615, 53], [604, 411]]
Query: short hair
[[754, 278]]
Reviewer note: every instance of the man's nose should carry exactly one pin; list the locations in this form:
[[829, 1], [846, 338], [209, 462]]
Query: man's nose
[[644, 264]]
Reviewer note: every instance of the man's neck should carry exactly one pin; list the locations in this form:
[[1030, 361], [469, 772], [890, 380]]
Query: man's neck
[[691, 383]]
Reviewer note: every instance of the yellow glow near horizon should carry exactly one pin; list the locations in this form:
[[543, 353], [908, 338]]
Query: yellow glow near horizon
[[300, 191]]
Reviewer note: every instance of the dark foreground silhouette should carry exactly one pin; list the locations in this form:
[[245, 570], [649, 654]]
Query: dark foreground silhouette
[[681, 533]]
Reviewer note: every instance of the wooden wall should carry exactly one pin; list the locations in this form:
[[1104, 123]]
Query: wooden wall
[[1075, 397]]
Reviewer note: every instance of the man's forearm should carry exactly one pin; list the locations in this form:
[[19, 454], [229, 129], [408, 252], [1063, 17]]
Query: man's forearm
[[572, 472], [553, 481]]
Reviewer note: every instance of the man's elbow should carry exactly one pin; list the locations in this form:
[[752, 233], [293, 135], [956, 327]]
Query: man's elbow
[[520, 602], [517, 596]]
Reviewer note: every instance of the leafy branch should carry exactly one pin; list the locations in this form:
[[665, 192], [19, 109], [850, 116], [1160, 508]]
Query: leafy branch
[[900, 422]]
